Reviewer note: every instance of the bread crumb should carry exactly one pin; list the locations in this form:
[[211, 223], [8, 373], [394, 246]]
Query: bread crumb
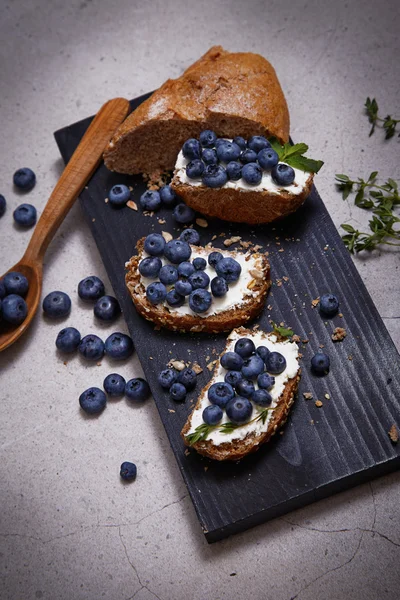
[[296, 338], [132, 205], [245, 245], [211, 365], [65, 362], [340, 315], [93, 220], [233, 240], [187, 452], [269, 306], [257, 247], [98, 364], [318, 403], [339, 334], [167, 236], [315, 302], [214, 237], [161, 221], [307, 395], [304, 341], [281, 250], [312, 420], [202, 222], [171, 410], [106, 200], [350, 357], [206, 469], [197, 368], [285, 278], [327, 396], [394, 434], [179, 365]]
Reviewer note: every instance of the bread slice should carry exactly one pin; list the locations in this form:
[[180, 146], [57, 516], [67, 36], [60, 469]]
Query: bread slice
[[247, 438], [224, 314], [230, 93]]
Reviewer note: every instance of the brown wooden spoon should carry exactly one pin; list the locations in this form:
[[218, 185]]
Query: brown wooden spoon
[[76, 174]]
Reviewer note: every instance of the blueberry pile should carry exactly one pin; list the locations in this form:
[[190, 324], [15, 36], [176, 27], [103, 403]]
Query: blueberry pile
[[182, 278], [93, 400], [217, 160], [24, 215], [13, 289], [178, 383]]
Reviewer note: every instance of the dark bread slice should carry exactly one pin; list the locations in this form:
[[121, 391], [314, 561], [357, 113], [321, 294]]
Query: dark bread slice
[[230, 93], [162, 316], [238, 448]]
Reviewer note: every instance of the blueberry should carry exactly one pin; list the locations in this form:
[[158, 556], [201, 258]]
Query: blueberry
[[24, 179], [2, 289], [185, 269], [168, 196], [195, 168], [214, 257], [320, 363], [329, 305], [275, 363], [220, 393], [177, 251], [199, 279], [114, 385], [220, 141], [208, 138], [128, 471], [107, 308], [177, 392], [282, 174], [199, 263], [245, 388], [156, 292], [233, 377], [191, 236], [119, 195], [150, 200], [57, 304], [3, 205], [234, 170], [93, 400], [265, 381], [137, 389], [232, 361], [25, 215], [174, 299], [14, 309], [200, 300], [91, 347], [212, 415], [150, 266], [229, 269], [15, 283], [239, 410], [209, 156], [214, 176], [183, 214], [167, 377], [68, 339], [228, 151], [168, 274], [263, 352], [267, 158], [261, 397], [119, 346], [245, 347], [240, 141], [183, 288], [191, 149], [253, 366], [188, 378], [258, 142], [252, 173], [91, 288], [248, 156], [219, 287], [154, 244]]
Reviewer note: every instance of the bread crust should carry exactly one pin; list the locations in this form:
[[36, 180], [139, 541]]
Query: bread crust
[[223, 321], [239, 448], [230, 93]]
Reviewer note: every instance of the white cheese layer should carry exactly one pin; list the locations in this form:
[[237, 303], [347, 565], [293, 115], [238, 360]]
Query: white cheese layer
[[289, 350]]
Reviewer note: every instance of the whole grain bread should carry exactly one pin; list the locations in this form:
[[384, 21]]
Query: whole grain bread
[[230, 93], [245, 311], [239, 448]]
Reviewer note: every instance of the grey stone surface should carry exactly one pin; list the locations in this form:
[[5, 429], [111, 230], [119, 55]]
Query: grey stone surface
[[69, 528]]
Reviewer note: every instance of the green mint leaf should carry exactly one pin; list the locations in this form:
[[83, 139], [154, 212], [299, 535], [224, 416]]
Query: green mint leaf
[[295, 149], [276, 146], [303, 163], [348, 228]]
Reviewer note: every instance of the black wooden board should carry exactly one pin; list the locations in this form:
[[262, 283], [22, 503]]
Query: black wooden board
[[323, 450]]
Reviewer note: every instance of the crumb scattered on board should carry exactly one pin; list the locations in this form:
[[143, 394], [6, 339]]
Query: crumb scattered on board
[[132, 205], [307, 395], [315, 302], [339, 334], [318, 403], [394, 434]]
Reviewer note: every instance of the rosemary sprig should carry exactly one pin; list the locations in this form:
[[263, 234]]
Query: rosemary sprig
[[388, 123]]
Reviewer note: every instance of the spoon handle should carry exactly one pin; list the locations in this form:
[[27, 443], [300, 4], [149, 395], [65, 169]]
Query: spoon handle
[[78, 171]]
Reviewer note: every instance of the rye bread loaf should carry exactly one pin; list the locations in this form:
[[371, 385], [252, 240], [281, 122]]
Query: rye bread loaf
[[245, 310], [238, 447], [230, 93]]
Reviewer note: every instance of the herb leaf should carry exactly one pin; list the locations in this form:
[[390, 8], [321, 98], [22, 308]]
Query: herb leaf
[[388, 123], [282, 331], [294, 156]]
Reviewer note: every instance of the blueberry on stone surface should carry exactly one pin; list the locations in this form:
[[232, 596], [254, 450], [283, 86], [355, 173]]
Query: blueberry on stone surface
[[328, 305], [183, 214], [137, 389], [220, 393], [263, 352], [57, 304], [199, 263], [209, 156], [195, 168], [214, 257], [154, 244], [119, 195], [188, 378], [214, 176], [177, 251], [245, 387], [275, 363], [265, 381], [92, 400], [191, 149], [240, 141], [68, 339], [282, 174], [156, 292], [219, 287], [261, 397], [200, 300], [228, 151], [25, 215], [251, 173], [245, 347], [320, 363], [185, 269], [150, 266], [174, 299], [168, 196], [15, 283], [91, 347], [3, 205], [234, 170], [229, 269], [119, 346], [24, 179], [199, 279], [150, 200], [248, 156], [168, 274], [208, 138], [212, 415], [239, 410], [14, 309], [91, 288], [128, 471], [167, 377], [232, 361], [190, 235], [183, 288], [253, 366], [233, 377], [107, 308], [114, 385], [178, 392], [258, 142], [267, 158]]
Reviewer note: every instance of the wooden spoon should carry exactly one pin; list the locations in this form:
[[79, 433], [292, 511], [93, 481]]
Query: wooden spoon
[[78, 171]]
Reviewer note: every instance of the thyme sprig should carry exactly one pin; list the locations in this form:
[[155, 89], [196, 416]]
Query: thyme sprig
[[388, 123]]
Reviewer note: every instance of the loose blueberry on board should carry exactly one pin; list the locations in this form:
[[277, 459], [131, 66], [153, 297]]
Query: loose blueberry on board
[[188, 378], [267, 158], [119, 195], [261, 397], [150, 266], [128, 471], [209, 156], [265, 381], [190, 235], [191, 149], [233, 377], [150, 200], [234, 170], [68, 339], [258, 142], [107, 308], [245, 388], [199, 280], [214, 257], [320, 363], [167, 377], [195, 168], [93, 400], [219, 287], [3, 292], [212, 415], [3, 205], [114, 385], [200, 300], [14, 309], [282, 174], [220, 393], [208, 138], [25, 215], [228, 151], [214, 176], [57, 304], [91, 288], [183, 214], [199, 263], [156, 292], [91, 347], [328, 305], [119, 346], [137, 389], [263, 352], [240, 141], [24, 179], [253, 366], [168, 274], [177, 251], [183, 288], [185, 269], [239, 410], [251, 173], [248, 156], [178, 392], [174, 299], [16, 283], [229, 269], [232, 361], [168, 196], [275, 363], [245, 347], [154, 244]]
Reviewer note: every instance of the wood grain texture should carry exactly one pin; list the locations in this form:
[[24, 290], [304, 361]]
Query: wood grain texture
[[323, 450]]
